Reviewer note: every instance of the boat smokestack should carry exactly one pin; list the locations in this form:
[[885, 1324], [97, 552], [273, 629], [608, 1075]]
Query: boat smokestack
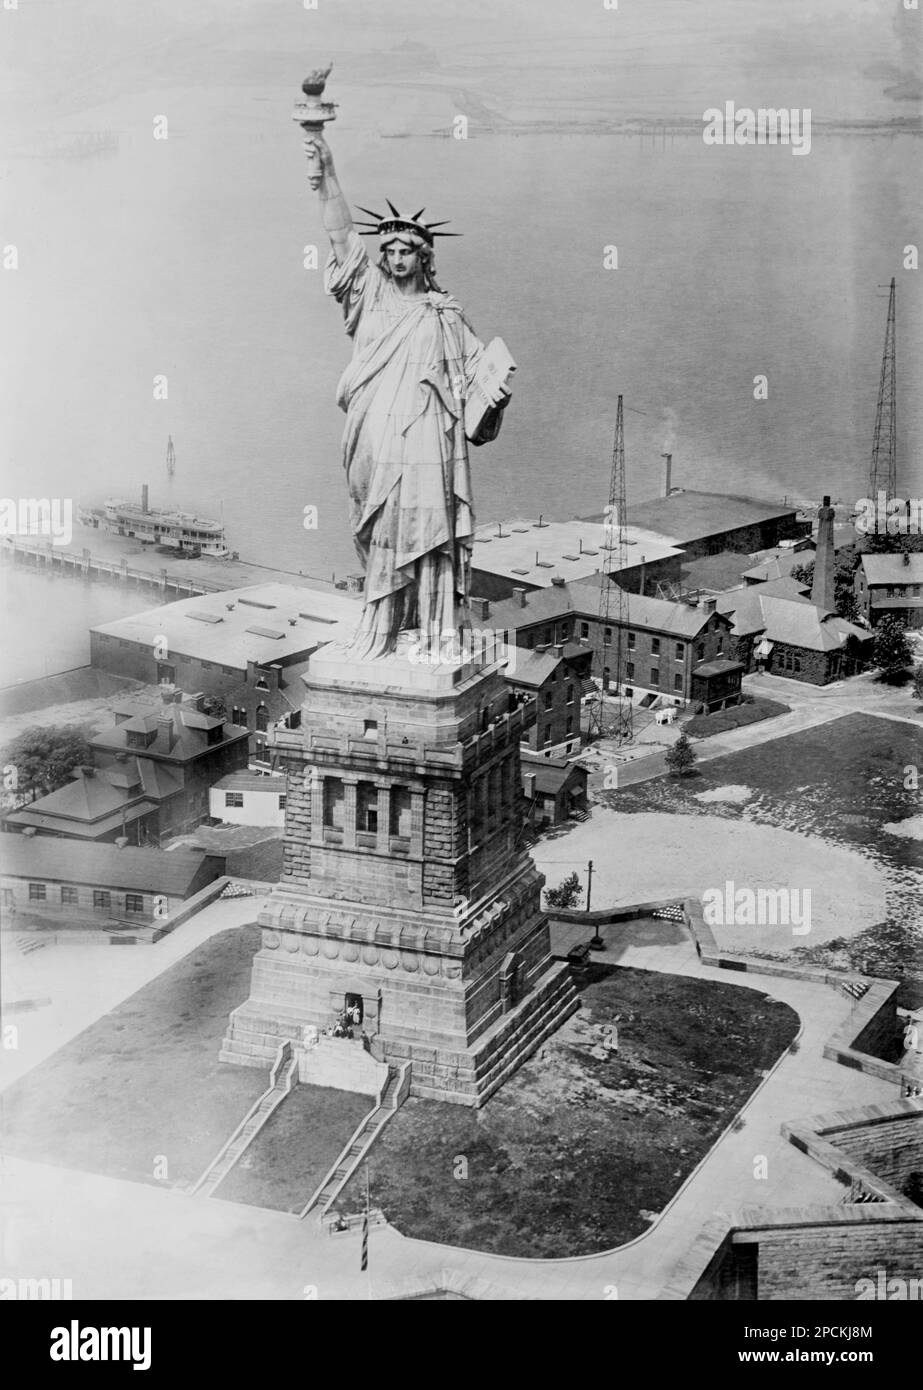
[[144, 498], [667, 473]]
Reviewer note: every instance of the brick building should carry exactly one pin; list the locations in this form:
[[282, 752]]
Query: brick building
[[553, 679], [706, 523], [149, 779], [247, 647], [782, 633], [891, 585], [665, 642]]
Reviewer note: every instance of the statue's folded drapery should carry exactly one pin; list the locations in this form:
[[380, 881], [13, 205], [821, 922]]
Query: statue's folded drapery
[[404, 449]]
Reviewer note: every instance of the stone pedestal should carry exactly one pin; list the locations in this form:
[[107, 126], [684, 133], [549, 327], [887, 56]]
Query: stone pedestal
[[405, 892]]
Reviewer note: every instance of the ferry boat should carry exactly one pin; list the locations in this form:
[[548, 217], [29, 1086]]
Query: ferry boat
[[183, 533]]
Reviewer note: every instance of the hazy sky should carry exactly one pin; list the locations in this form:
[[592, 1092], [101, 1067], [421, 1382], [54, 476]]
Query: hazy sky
[[844, 58]]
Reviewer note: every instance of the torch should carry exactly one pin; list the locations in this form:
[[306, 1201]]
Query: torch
[[312, 115]]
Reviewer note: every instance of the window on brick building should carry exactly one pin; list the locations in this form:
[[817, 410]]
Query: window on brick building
[[607, 634], [565, 631], [238, 715], [101, 899], [37, 892], [399, 815], [367, 807], [570, 694], [370, 729], [680, 651], [166, 673], [570, 723], [655, 675], [700, 650], [282, 802], [69, 896], [549, 698], [547, 739], [678, 681], [134, 902], [262, 718], [655, 646], [797, 666], [720, 641], [584, 629], [334, 803], [632, 638], [234, 799], [630, 670]]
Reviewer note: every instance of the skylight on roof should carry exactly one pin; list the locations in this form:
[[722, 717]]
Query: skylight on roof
[[265, 632], [203, 617], [255, 603]]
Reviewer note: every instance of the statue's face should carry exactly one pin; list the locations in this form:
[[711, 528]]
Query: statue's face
[[403, 260]]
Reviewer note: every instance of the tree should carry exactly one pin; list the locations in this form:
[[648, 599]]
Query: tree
[[567, 894], [44, 759], [681, 758], [892, 654]]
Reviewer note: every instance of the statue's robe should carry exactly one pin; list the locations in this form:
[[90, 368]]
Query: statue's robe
[[404, 449]]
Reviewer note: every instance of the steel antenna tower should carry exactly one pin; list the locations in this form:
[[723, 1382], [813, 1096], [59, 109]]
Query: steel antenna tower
[[605, 720], [884, 446]]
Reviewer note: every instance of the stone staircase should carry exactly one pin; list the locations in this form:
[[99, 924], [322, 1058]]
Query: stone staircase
[[389, 1101], [253, 1040], [281, 1082]]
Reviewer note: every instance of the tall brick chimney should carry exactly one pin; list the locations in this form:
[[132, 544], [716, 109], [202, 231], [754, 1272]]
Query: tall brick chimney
[[823, 588], [145, 507], [667, 473]]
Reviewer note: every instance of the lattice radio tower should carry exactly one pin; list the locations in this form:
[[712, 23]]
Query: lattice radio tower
[[613, 718], [883, 471]]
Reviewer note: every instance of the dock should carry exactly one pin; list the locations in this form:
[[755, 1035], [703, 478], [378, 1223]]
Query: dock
[[95, 556]]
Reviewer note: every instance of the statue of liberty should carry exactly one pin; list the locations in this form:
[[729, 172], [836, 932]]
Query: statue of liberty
[[405, 451]]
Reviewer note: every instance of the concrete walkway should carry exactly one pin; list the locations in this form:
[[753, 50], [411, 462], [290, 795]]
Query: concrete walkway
[[811, 706], [120, 1239]]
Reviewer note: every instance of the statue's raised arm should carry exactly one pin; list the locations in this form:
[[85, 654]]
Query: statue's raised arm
[[312, 115]]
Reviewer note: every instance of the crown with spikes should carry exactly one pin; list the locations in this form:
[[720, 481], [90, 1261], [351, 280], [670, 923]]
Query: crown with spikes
[[382, 226]]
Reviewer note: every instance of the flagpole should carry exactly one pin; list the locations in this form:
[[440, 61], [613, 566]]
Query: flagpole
[[365, 1235]]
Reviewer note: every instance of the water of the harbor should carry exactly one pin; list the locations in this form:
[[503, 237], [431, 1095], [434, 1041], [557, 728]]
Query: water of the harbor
[[183, 258]]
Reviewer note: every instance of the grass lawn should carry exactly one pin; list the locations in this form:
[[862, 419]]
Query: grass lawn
[[750, 712], [583, 1146], [844, 782], [144, 1081], [286, 1162]]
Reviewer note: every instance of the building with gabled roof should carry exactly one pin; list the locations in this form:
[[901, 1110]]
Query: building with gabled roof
[[783, 633], [891, 585], [150, 775], [102, 884]]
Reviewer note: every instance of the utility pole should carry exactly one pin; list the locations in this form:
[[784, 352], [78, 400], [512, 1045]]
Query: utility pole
[[589, 883]]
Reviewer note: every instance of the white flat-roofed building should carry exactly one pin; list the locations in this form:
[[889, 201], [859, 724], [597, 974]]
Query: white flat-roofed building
[[529, 554], [247, 647], [249, 798]]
